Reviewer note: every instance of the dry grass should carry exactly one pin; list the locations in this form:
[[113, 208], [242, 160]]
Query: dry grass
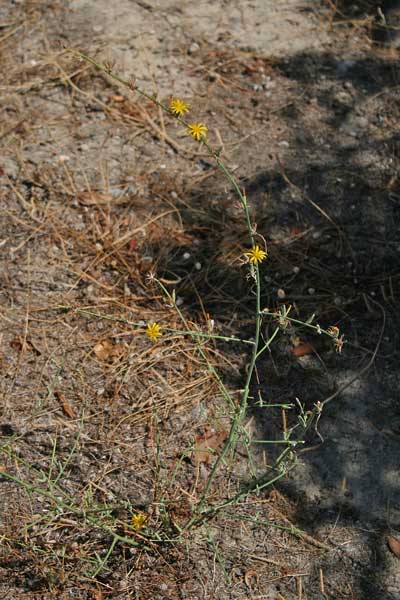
[[98, 190]]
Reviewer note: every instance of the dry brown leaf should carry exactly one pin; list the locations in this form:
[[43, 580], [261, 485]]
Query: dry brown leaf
[[105, 350], [67, 408], [394, 545], [17, 344], [94, 198], [20, 344], [251, 578], [206, 443], [132, 245], [157, 233], [296, 231], [117, 98], [302, 349]]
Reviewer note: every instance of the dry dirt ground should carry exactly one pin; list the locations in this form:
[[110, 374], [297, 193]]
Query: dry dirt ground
[[98, 189]]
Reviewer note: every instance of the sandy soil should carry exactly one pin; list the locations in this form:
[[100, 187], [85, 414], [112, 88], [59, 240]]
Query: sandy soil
[[98, 188]]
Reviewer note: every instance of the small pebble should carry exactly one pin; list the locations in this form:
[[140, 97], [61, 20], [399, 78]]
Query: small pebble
[[193, 48], [281, 294], [197, 266], [311, 291]]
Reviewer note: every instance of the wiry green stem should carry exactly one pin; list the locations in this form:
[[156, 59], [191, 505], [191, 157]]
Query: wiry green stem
[[238, 412]]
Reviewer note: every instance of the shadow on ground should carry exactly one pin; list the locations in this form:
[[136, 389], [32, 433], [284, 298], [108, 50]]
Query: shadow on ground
[[335, 199]]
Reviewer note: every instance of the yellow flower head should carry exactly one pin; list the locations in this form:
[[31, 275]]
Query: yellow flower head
[[153, 331], [138, 521], [178, 107], [198, 131], [256, 255]]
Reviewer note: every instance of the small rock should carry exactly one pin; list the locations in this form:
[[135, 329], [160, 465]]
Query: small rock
[[344, 66], [354, 124], [343, 100], [10, 167], [193, 48]]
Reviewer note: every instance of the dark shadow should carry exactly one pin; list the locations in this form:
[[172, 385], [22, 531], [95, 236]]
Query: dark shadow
[[339, 187]]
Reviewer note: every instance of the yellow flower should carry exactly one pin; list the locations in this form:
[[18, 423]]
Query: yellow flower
[[198, 131], [153, 331], [256, 255], [138, 521], [178, 107]]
